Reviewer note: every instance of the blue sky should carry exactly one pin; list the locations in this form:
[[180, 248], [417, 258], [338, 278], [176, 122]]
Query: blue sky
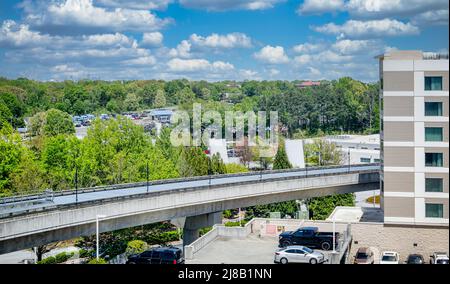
[[212, 40]]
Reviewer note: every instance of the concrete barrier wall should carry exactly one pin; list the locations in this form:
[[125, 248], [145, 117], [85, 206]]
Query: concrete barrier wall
[[200, 243], [218, 231], [40, 222], [58, 224]]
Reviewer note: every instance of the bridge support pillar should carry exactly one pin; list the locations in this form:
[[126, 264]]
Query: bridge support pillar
[[193, 224]]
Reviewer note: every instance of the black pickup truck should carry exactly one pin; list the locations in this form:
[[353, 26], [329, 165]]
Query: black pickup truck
[[308, 237]]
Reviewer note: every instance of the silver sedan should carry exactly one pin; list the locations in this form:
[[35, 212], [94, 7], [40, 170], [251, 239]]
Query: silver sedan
[[298, 254]]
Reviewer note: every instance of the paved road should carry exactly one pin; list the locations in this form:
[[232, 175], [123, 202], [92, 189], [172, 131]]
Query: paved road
[[69, 199]]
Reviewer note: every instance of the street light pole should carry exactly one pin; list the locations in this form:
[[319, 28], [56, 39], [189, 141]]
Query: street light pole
[[306, 163], [76, 183], [147, 176], [209, 170], [348, 156], [334, 235], [98, 234]]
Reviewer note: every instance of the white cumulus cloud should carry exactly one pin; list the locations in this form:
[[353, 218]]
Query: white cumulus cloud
[[373, 28], [226, 5], [193, 65], [272, 55], [136, 4], [152, 39], [232, 40], [320, 6], [308, 47], [83, 16]]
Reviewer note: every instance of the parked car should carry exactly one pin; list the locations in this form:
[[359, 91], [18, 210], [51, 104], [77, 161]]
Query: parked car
[[390, 257], [364, 255], [439, 258], [161, 255], [415, 259], [298, 254], [309, 237]]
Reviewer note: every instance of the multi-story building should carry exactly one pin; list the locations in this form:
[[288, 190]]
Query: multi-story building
[[414, 107]]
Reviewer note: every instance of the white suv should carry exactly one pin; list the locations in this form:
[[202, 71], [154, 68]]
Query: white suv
[[439, 258], [390, 257]]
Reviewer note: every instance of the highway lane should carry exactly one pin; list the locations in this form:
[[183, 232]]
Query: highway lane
[[70, 199]]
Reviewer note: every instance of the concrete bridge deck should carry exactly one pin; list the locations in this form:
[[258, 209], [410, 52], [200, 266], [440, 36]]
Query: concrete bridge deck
[[33, 220]]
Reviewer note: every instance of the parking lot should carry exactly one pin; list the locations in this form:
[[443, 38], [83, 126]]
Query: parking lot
[[251, 250]]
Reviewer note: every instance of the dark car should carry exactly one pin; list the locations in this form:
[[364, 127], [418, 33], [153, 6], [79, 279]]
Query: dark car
[[309, 237], [162, 255], [415, 259]]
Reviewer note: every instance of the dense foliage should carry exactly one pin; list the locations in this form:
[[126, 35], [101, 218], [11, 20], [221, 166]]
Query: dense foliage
[[118, 151], [321, 207], [340, 105], [131, 239]]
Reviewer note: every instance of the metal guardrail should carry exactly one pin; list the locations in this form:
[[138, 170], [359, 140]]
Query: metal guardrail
[[49, 195]]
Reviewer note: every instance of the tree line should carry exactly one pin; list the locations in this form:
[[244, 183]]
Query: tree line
[[334, 106]]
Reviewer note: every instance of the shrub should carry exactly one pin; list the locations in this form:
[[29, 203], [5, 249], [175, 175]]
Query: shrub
[[227, 214], [236, 224], [48, 260], [136, 247], [99, 261], [205, 230], [84, 253], [63, 257]]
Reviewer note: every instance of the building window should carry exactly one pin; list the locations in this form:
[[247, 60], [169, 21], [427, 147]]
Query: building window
[[433, 109], [434, 210], [433, 83], [434, 134], [434, 159], [434, 185], [365, 160], [376, 160]]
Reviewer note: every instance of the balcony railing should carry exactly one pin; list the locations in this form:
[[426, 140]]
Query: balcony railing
[[434, 56]]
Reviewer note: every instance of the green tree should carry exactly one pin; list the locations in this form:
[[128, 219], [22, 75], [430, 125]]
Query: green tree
[[205, 93], [29, 176], [15, 106], [321, 207], [160, 99], [216, 164], [5, 114], [185, 96], [131, 102], [164, 145], [322, 153], [11, 150], [281, 160], [51, 123], [193, 162], [58, 159]]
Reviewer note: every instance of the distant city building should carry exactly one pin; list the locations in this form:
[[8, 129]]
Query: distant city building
[[414, 108], [308, 84], [355, 149]]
